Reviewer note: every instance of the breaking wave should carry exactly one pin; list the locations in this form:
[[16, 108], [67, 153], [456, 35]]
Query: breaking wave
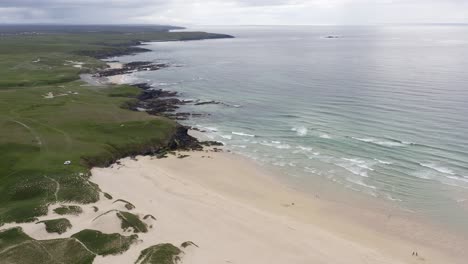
[[242, 134], [437, 168], [300, 131], [385, 143]]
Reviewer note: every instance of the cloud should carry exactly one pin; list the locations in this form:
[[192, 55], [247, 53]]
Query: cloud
[[233, 11]]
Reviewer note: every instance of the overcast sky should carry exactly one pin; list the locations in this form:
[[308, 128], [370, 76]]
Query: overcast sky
[[233, 12]]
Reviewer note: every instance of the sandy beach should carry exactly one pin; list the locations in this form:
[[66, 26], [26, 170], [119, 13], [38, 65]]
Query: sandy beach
[[236, 213], [115, 79]]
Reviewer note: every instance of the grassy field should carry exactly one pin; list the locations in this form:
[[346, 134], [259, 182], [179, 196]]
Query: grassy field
[[38, 135], [48, 117]]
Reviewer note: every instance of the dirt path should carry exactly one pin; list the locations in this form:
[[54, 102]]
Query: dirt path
[[67, 138], [32, 131], [57, 188]]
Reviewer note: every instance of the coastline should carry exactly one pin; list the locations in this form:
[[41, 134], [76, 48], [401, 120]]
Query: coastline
[[234, 211], [50, 208], [231, 209], [356, 238]]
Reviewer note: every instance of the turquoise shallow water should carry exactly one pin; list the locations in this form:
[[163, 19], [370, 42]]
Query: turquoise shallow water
[[380, 110]]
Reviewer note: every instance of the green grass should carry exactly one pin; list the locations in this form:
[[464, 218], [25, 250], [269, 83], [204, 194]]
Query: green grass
[[58, 226], [159, 254], [11, 237], [37, 135], [89, 126], [19, 54], [188, 244], [68, 210], [105, 244], [108, 196], [18, 248], [131, 221], [127, 205]]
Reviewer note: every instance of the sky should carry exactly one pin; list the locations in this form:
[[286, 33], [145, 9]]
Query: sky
[[234, 12]]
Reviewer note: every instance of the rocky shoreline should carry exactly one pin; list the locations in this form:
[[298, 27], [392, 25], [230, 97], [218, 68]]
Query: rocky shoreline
[[159, 102], [132, 67]]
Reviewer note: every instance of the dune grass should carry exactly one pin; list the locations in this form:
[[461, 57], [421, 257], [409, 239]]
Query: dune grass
[[127, 204], [105, 244], [59, 226], [159, 254], [68, 210], [132, 221], [11, 237], [18, 248]]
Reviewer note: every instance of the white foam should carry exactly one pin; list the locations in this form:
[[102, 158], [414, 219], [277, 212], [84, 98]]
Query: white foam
[[211, 129], [437, 168], [304, 148], [301, 131], [423, 175], [279, 163], [242, 134], [275, 145], [361, 183], [356, 166], [164, 84], [226, 136], [383, 162], [385, 143], [458, 178], [389, 197], [326, 136]]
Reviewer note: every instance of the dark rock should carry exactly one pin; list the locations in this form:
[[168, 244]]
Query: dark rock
[[151, 94], [211, 143], [207, 102], [144, 86], [132, 67], [181, 140]]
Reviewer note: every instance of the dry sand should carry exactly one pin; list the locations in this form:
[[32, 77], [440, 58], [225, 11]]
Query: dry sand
[[115, 65], [237, 213], [115, 79]]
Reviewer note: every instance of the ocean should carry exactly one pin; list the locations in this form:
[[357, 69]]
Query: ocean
[[380, 111]]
